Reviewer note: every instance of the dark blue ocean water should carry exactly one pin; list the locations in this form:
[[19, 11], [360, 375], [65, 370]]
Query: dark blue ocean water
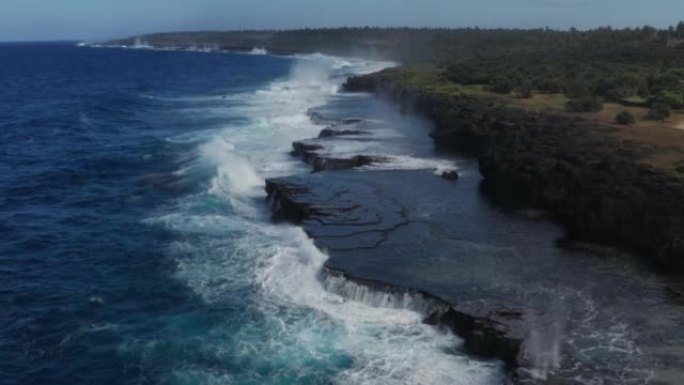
[[135, 246], [85, 158]]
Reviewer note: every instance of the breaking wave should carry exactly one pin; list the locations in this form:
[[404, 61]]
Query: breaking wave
[[289, 326]]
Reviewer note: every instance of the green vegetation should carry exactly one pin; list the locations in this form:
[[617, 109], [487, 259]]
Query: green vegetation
[[659, 111], [625, 118], [633, 67], [640, 66], [584, 104]]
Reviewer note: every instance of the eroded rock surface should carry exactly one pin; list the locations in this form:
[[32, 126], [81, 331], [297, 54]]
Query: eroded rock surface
[[346, 211], [594, 183]]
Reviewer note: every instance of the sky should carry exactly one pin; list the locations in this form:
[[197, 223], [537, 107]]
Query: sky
[[104, 19]]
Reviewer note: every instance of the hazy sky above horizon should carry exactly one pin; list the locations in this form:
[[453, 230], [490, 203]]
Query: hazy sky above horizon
[[102, 19]]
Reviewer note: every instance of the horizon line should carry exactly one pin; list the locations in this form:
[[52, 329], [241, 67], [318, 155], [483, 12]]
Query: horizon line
[[555, 29]]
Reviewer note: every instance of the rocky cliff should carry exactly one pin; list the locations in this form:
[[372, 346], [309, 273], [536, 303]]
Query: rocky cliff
[[593, 182]]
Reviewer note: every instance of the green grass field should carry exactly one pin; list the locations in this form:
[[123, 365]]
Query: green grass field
[[663, 142]]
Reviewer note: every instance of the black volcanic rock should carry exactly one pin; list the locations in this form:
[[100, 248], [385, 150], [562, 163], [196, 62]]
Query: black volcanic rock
[[592, 182], [333, 211], [332, 131], [318, 118], [314, 154], [328, 163], [349, 121], [341, 211], [307, 150], [499, 335], [450, 175], [285, 205]]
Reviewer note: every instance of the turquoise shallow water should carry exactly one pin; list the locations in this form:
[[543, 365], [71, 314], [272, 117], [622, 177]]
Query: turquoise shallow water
[[136, 246]]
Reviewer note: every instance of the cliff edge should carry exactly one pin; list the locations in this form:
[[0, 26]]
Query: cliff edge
[[596, 181]]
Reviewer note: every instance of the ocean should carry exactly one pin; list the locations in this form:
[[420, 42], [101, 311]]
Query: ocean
[[137, 246]]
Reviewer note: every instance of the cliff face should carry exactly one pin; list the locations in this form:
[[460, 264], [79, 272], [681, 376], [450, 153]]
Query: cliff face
[[593, 182]]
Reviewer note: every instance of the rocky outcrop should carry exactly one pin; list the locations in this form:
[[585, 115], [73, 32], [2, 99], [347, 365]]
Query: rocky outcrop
[[284, 205], [501, 335], [601, 196], [332, 131], [314, 154], [349, 212], [342, 214], [593, 182], [312, 151], [450, 175], [306, 149]]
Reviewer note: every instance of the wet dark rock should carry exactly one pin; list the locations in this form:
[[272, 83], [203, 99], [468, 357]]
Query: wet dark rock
[[363, 84], [493, 337], [313, 153], [326, 163], [318, 118], [332, 131], [450, 175], [485, 337], [307, 150], [342, 212], [592, 182], [351, 121], [285, 206]]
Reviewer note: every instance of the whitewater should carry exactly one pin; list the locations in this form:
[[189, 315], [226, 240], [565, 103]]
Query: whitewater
[[137, 244], [287, 327]]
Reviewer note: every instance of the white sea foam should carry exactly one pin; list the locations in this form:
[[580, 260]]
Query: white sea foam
[[258, 51], [229, 251], [408, 162], [141, 43]]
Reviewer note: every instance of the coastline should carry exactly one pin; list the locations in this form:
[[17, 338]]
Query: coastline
[[351, 211], [483, 336], [508, 333], [593, 183]]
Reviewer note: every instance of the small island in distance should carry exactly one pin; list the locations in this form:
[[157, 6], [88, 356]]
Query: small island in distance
[[587, 124]]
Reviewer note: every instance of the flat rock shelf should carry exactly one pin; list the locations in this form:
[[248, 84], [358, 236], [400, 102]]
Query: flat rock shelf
[[504, 279]]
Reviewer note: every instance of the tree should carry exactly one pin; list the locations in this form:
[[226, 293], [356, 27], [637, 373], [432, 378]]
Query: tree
[[551, 85], [501, 85], [627, 85], [584, 104], [670, 99], [659, 111], [680, 29], [625, 118], [523, 91], [577, 89]]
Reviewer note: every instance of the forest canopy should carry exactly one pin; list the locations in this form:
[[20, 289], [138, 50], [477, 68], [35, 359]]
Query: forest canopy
[[634, 66]]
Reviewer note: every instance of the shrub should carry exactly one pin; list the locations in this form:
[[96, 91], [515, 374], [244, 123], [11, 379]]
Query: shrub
[[584, 104], [523, 91], [659, 111], [577, 89], [625, 118], [669, 98], [501, 85], [553, 85]]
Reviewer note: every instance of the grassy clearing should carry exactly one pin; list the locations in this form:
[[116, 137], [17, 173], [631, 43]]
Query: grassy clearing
[[542, 102], [661, 143], [430, 79]]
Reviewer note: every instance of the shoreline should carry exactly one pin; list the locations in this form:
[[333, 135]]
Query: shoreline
[[468, 326], [593, 183], [503, 332], [489, 332]]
